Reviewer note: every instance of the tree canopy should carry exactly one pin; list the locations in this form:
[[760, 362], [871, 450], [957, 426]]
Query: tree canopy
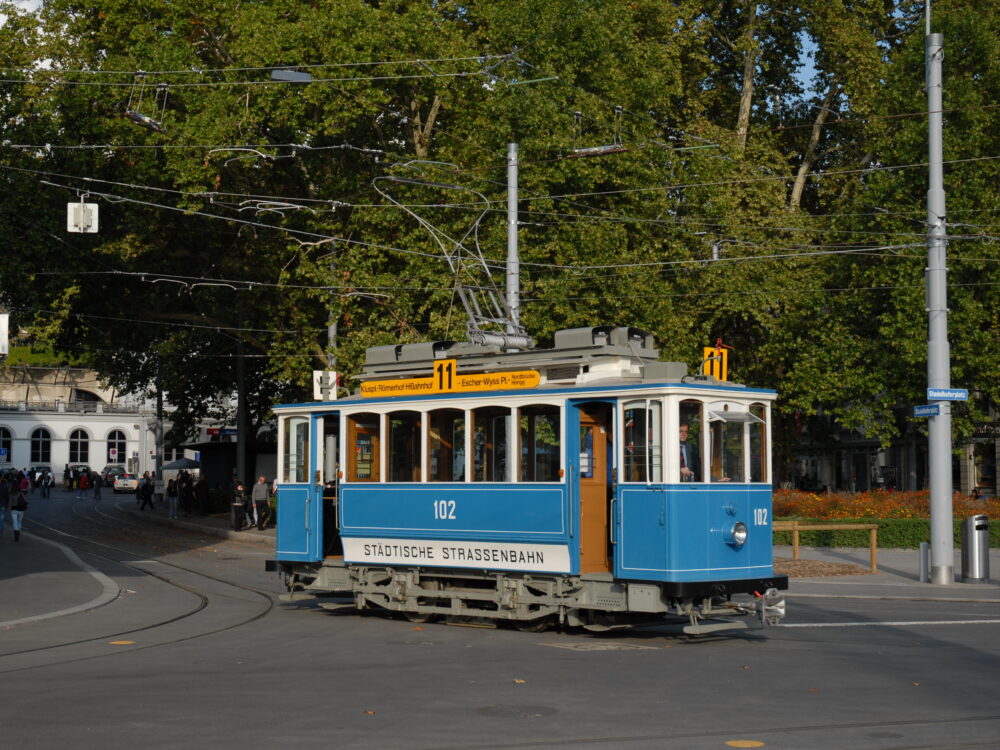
[[242, 215]]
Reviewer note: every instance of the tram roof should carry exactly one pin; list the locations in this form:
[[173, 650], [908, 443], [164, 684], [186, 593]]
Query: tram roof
[[571, 347], [583, 360]]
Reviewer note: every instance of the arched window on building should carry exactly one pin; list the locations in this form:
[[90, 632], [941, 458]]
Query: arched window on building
[[116, 447], [79, 447], [6, 446], [41, 446]]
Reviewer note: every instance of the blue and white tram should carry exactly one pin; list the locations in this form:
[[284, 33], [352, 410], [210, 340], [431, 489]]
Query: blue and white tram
[[588, 484]]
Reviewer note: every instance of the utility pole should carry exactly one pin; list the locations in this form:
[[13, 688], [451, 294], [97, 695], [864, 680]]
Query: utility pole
[[242, 433], [158, 464], [513, 262], [938, 351]]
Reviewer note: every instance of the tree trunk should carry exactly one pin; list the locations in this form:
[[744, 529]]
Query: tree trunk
[[749, 47], [422, 131], [810, 156]]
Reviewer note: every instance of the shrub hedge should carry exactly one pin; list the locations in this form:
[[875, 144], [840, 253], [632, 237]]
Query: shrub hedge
[[901, 533]]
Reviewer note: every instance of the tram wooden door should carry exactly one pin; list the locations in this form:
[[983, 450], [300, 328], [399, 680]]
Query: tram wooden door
[[595, 487]]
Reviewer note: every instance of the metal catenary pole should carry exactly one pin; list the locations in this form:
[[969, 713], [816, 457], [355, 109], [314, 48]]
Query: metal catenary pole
[[938, 351], [513, 263]]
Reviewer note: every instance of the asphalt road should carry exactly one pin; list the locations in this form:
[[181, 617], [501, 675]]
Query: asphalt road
[[197, 651]]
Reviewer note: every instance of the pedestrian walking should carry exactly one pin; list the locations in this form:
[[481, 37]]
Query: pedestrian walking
[[47, 482], [239, 506], [186, 490], [259, 495], [172, 498], [4, 501], [145, 492], [83, 484], [18, 504], [96, 481]]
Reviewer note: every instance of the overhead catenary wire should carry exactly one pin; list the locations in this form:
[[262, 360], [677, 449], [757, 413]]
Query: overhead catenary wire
[[265, 68], [729, 259]]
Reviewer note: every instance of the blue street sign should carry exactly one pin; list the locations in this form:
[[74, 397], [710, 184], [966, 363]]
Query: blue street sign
[[3, 454], [927, 410], [947, 394]]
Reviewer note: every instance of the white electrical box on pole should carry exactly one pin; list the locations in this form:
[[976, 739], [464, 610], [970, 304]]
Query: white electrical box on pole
[[324, 385], [81, 217]]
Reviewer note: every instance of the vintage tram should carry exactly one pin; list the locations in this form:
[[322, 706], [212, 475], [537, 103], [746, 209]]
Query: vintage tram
[[587, 485]]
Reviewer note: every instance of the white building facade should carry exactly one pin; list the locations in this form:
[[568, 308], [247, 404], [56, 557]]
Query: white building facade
[[59, 417]]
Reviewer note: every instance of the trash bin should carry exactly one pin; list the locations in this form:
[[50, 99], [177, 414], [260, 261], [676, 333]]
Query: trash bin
[[976, 549], [239, 518]]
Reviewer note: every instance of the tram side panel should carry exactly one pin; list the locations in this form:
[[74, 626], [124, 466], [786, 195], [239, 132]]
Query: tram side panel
[[457, 526]]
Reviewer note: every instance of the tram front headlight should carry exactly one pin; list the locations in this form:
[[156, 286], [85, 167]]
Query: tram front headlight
[[737, 535]]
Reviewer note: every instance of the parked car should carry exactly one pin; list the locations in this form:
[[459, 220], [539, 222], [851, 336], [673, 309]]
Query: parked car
[[126, 483], [110, 472]]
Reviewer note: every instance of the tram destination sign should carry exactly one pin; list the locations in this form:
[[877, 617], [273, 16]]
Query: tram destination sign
[[446, 379], [947, 394]]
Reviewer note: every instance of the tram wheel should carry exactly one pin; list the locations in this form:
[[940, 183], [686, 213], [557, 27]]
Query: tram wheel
[[419, 617], [538, 625]]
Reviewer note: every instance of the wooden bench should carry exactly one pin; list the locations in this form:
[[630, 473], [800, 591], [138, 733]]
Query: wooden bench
[[796, 526]]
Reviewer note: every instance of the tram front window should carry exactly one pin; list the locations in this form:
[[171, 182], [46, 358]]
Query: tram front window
[[758, 445], [689, 458], [727, 451]]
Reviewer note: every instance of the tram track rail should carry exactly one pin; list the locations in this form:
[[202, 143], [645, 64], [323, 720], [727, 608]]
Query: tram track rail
[[139, 563]]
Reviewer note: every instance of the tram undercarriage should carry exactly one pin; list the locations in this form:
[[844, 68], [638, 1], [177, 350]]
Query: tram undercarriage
[[533, 602]]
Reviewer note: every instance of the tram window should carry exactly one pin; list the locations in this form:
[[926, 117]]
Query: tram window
[[642, 441], [758, 445], [727, 451], [446, 446], [490, 442], [296, 453], [539, 443], [689, 460], [404, 446], [363, 436]]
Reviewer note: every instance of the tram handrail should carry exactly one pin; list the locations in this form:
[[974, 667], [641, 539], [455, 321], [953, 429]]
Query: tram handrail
[[796, 526]]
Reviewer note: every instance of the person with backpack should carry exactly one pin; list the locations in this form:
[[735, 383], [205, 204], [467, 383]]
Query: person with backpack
[[18, 504], [145, 492]]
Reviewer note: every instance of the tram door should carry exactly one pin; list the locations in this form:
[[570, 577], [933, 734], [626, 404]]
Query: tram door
[[595, 487], [327, 482]]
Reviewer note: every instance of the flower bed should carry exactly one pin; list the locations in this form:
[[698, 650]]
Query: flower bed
[[903, 518]]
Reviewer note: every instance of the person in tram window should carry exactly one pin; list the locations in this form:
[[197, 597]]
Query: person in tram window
[[689, 460]]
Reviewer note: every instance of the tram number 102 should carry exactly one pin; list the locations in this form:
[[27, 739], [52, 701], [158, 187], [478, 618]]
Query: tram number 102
[[760, 516], [444, 510]]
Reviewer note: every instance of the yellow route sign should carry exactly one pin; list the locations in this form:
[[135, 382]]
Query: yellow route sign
[[447, 380]]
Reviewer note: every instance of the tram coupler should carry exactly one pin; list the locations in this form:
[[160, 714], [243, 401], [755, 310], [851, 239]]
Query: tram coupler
[[768, 607]]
